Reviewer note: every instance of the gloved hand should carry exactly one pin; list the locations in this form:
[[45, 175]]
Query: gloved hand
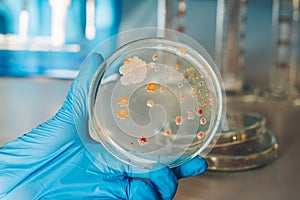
[[50, 162]]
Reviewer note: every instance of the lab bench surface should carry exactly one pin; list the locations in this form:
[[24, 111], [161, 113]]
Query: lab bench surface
[[275, 181], [27, 102]]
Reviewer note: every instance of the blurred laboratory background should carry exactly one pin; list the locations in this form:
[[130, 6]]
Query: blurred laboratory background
[[34, 32], [255, 44]]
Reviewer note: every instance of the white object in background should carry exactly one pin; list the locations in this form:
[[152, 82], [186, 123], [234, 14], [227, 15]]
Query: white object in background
[[90, 30], [161, 13], [24, 22], [59, 10]]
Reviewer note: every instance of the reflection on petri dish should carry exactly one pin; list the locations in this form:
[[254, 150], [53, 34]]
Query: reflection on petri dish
[[239, 127], [157, 98]]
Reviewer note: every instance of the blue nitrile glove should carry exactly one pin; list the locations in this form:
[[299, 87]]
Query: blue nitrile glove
[[50, 162]]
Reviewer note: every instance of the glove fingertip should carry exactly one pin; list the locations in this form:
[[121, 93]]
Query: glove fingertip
[[165, 181], [194, 167], [141, 189]]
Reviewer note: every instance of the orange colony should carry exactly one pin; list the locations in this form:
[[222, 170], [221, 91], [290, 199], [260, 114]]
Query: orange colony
[[200, 135], [202, 121], [122, 114], [126, 61], [123, 101], [167, 132], [151, 87], [155, 57], [178, 120]]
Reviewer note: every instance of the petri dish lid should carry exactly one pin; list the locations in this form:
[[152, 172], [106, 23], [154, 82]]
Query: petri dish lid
[[157, 98]]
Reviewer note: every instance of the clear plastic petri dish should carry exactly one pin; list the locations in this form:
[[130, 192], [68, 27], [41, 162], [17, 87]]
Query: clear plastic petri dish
[[157, 98], [244, 143], [245, 156]]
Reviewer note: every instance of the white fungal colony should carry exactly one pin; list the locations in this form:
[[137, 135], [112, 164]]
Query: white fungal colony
[[134, 70]]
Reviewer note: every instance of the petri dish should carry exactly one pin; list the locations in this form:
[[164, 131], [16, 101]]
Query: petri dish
[[244, 143], [249, 155], [156, 99]]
